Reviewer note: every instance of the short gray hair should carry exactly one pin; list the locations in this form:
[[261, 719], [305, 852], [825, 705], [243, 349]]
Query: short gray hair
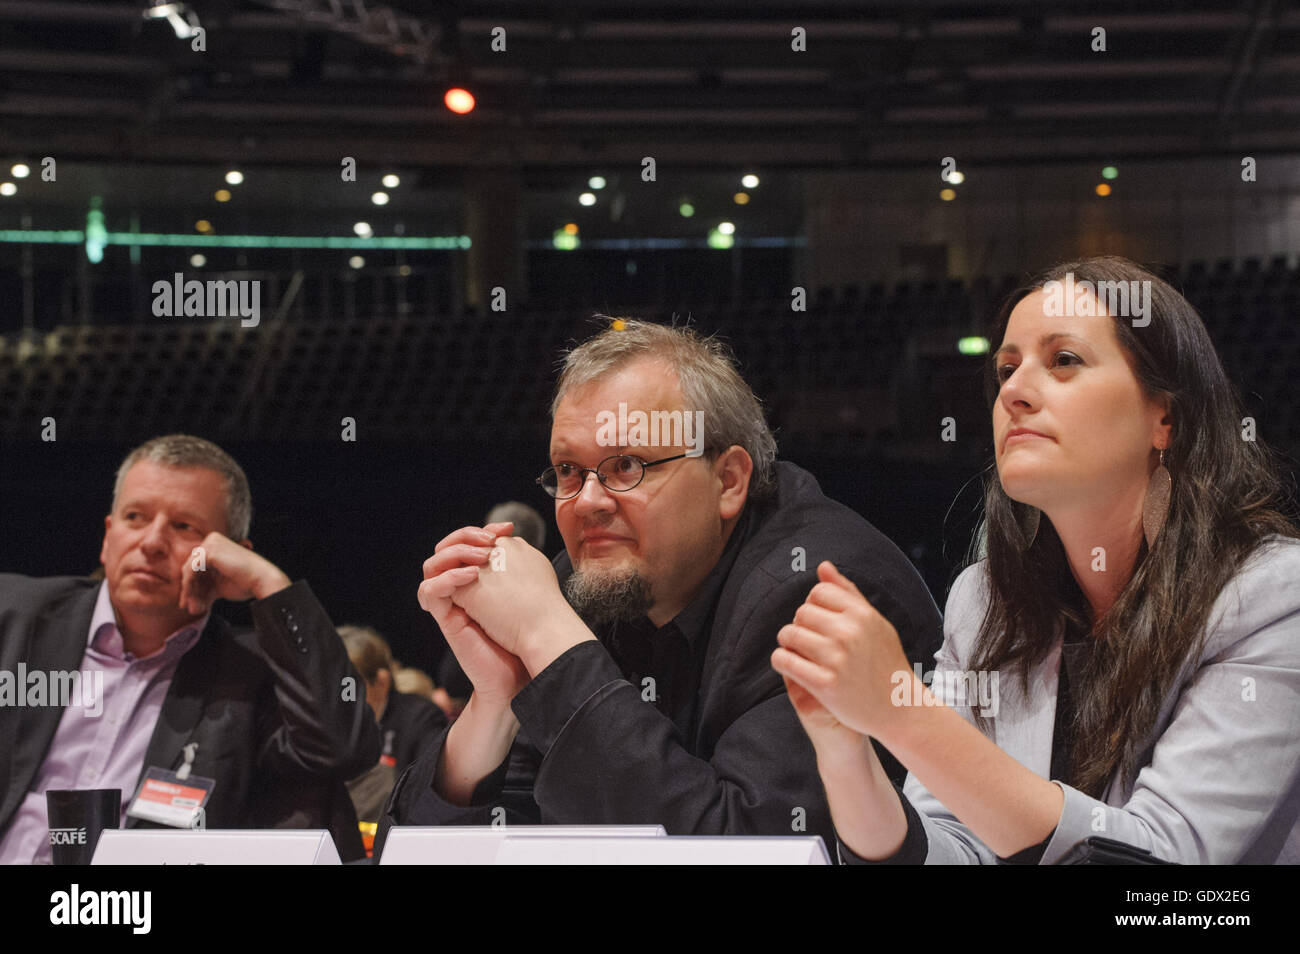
[[182, 450], [529, 525], [707, 373]]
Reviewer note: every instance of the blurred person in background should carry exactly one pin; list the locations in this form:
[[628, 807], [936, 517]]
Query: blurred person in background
[[420, 683], [408, 722]]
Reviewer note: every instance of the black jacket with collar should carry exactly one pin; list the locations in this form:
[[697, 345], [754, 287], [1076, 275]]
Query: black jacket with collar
[[591, 751], [266, 707]]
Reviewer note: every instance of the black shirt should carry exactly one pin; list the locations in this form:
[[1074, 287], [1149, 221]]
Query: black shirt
[[670, 656]]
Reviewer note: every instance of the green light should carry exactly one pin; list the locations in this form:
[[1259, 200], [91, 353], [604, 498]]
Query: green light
[[975, 345], [96, 234], [719, 240], [1110, 172], [288, 241], [71, 237], [686, 209], [135, 248], [564, 241], [43, 236]]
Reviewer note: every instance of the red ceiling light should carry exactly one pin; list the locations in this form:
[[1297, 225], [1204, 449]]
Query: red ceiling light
[[459, 100]]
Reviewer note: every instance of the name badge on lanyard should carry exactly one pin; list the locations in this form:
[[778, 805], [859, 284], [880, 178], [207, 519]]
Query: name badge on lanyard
[[173, 798]]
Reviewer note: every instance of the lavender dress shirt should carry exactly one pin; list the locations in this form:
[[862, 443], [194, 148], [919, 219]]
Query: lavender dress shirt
[[103, 735]]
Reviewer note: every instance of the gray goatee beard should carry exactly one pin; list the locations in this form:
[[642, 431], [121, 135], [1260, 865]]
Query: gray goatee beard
[[601, 598]]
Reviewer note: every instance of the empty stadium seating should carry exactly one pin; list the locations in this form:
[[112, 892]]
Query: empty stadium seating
[[489, 376]]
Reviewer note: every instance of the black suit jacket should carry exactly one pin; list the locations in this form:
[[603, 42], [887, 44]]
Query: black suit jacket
[[591, 751], [266, 707], [414, 723]]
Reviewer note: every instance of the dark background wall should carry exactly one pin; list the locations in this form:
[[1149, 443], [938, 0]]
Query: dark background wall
[[358, 520]]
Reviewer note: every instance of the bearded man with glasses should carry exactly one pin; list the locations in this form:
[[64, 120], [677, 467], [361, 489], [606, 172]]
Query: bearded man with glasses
[[630, 682]]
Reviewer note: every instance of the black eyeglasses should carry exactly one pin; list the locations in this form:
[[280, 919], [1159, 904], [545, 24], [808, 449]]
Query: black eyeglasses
[[619, 473]]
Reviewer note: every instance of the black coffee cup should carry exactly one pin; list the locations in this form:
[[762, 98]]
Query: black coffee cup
[[77, 816]]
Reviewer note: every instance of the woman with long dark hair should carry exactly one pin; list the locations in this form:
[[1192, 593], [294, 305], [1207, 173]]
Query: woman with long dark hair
[[1122, 659]]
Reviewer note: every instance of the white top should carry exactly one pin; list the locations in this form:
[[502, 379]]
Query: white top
[[1219, 780]]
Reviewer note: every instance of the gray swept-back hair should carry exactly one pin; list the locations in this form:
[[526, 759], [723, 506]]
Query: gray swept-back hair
[[182, 450], [709, 378]]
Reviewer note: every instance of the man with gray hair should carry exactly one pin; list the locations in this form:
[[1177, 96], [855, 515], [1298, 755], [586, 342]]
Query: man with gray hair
[[264, 715], [630, 682]]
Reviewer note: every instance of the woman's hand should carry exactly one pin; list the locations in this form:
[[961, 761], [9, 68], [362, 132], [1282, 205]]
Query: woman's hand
[[846, 656], [830, 737]]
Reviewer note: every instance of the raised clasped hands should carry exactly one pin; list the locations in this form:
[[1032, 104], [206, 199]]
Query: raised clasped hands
[[841, 660], [499, 604]]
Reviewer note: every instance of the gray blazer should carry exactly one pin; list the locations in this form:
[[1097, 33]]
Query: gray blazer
[[1218, 780]]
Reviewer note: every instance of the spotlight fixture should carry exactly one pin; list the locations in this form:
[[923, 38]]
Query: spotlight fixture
[[184, 21], [459, 100]]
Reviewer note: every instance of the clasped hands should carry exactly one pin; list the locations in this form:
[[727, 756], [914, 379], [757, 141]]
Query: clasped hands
[[841, 661], [499, 605]]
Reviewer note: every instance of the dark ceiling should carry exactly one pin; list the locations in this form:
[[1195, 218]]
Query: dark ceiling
[[709, 84]]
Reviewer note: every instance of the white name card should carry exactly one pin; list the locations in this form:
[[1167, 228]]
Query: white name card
[[215, 847], [480, 844], [674, 850]]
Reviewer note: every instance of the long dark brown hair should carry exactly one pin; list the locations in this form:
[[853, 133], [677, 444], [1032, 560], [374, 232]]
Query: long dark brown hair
[[1227, 497]]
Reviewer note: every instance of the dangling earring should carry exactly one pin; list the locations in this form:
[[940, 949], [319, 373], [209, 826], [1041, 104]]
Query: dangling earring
[[1028, 524], [1155, 506]]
